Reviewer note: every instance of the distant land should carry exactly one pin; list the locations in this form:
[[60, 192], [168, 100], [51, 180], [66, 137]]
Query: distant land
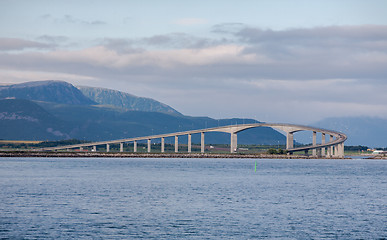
[[56, 110], [366, 131]]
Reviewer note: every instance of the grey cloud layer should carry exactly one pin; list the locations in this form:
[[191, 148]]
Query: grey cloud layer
[[291, 68], [338, 52], [69, 19], [320, 53], [11, 44], [165, 41]]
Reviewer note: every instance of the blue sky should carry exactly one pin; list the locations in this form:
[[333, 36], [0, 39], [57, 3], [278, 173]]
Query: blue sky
[[278, 61], [147, 18]]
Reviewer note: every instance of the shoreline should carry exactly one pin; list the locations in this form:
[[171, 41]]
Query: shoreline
[[152, 155]]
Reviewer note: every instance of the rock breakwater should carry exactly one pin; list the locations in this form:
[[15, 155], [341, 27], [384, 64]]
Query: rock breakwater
[[145, 155]]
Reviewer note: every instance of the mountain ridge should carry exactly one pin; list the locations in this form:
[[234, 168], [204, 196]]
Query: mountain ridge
[[48, 91], [96, 123], [105, 96]]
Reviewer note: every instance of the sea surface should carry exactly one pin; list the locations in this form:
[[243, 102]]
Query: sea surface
[[94, 198]]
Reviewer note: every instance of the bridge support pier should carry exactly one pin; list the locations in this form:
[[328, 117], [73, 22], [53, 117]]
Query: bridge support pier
[[135, 146], [314, 152], [176, 144], [233, 142], [202, 142], [107, 147], [331, 147], [323, 142], [337, 150], [121, 147], [318, 150], [328, 152], [189, 143], [162, 144], [340, 150], [289, 140], [149, 145]]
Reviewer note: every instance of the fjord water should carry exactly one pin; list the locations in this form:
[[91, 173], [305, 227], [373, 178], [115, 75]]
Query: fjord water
[[192, 198]]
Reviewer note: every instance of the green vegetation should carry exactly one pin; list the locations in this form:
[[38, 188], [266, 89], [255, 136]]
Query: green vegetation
[[34, 145], [356, 148], [60, 143], [276, 151]]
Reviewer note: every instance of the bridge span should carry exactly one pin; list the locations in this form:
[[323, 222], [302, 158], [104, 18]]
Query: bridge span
[[334, 147]]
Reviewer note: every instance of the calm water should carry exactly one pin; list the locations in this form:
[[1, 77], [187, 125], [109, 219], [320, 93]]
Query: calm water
[[192, 198]]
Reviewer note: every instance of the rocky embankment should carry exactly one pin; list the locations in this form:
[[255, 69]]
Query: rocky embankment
[[378, 157], [144, 155]]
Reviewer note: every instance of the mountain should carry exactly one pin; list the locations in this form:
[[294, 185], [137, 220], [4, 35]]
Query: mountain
[[97, 123], [127, 101], [365, 131], [22, 119], [27, 120], [48, 91], [58, 110], [64, 93]]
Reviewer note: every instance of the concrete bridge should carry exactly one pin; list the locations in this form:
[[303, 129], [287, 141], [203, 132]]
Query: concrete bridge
[[334, 147]]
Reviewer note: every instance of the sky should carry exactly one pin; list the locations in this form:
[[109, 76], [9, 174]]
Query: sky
[[271, 60]]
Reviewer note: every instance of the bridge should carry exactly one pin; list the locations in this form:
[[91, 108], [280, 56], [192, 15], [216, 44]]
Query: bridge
[[334, 147]]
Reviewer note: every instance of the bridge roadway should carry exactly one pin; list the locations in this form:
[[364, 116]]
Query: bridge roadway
[[332, 148]]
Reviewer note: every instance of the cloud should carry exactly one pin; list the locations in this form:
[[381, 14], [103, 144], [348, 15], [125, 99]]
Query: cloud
[[177, 40], [318, 53], [74, 20], [326, 52], [228, 28], [302, 54], [9, 44], [191, 21], [53, 39], [301, 74], [331, 35], [162, 41], [159, 59], [69, 19], [20, 76]]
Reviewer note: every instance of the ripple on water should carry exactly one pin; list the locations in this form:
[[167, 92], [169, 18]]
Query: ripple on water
[[192, 198]]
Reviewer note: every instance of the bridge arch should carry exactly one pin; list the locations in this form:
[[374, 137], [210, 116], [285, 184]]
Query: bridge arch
[[334, 147]]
